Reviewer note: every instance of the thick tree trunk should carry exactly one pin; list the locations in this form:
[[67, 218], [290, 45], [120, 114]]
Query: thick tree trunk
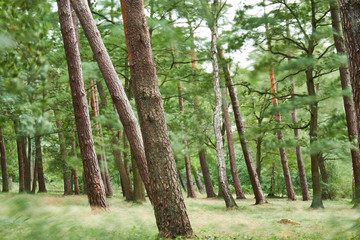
[[351, 106], [206, 175], [125, 181], [4, 174], [238, 189], [229, 200], [116, 89], [94, 184], [39, 165], [64, 156], [170, 211], [300, 162], [20, 157], [254, 179]]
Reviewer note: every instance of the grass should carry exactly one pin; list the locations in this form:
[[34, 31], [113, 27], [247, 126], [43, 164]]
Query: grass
[[53, 216]]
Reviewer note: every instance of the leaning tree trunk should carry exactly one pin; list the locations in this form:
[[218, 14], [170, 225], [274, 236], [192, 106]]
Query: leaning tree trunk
[[64, 156], [206, 175], [39, 165], [94, 184], [229, 200], [351, 106], [259, 195], [284, 162], [4, 174], [238, 189], [139, 190], [170, 211], [20, 157], [115, 87]]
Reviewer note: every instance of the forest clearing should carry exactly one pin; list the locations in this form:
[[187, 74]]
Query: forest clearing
[[52, 216], [181, 119]]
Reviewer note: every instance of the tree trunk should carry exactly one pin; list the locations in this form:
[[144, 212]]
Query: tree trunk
[[139, 190], [170, 211], [20, 157], [64, 156], [254, 179], [206, 175], [351, 106], [27, 159], [94, 185], [182, 182], [234, 173], [258, 156], [272, 182], [4, 174], [229, 200], [74, 170], [125, 181], [197, 179], [34, 182], [116, 89], [324, 178], [300, 162], [39, 165]]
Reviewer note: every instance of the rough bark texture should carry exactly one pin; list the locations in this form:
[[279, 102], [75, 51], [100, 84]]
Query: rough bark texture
[[206, 175], [169, 206], [351, 105], [229, 200], [94, 185], [259, 195], [300, 162], [125, 181], [115, 87], [237, 185], [39, 165], [4, 174], [20, 157]]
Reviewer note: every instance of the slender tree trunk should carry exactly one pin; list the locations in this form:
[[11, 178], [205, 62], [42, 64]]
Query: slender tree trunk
[[116, 89], [254, 179], [125, 181], [34, 182], [258, 156], [351, 106], [74, 170], [26, 146], [272, 182], [182, 182], [4, 174], [39, 165], [206, 175], [229, 200], [94, 185], [324, 178], [64, 156], [139, 190], [20, 157], [126, 158], [197, 179], [162, 168]]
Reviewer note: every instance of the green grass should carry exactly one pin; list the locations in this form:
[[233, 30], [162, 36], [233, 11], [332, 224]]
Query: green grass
[[53, 216]]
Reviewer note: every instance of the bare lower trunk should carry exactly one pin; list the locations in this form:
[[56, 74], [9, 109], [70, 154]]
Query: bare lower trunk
[[197, 179], [254, 179], [20, 157], [94, 185], [76, 182], [139, 190], [258, 157], [39, 165], [272, 181], [189, 180], [206, 175], [325, 194], [4, 174], [34, 184], [162, 167], [27, 159], [182, 182], [116, 89], [351, 110]]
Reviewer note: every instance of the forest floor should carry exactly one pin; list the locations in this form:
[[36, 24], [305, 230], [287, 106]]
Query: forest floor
[[53, 216]]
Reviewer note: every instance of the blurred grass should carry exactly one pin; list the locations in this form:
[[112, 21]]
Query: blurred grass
[[53, 216]]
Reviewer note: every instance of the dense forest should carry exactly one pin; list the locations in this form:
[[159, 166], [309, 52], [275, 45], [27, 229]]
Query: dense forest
[[163, 104]]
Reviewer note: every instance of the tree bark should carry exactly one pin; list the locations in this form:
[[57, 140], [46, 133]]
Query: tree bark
[[115, 87], [351, 105], [74, 170], [237, 185], [139, 190], [324, 178], [4, 174], [94, 185], [206, 175], [26, 142], [20, 157], [254, 179], [170, 211], [258, 156], [39, 165], [64, 156], [229, 200]]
